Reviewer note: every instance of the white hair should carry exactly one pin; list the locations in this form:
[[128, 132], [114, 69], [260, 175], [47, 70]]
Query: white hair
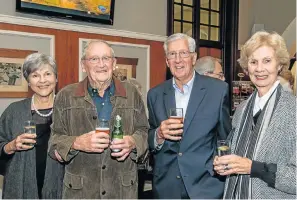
[[95, 41], [206, 64], [178, 36]]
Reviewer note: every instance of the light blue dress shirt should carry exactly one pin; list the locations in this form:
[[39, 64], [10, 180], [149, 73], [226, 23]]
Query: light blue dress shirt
[[181, 101]]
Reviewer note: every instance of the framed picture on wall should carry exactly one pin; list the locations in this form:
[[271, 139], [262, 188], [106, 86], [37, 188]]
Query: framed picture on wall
[[123, 72], [12, 82]]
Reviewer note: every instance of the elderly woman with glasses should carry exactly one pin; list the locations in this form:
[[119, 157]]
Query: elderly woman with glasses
[[25, 153], [262, 164]]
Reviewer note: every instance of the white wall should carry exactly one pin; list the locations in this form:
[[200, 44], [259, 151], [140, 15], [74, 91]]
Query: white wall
[[276, 15], [144, 16]]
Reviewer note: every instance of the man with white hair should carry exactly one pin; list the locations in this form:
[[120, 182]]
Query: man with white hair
[[210, 66], [183, 150]]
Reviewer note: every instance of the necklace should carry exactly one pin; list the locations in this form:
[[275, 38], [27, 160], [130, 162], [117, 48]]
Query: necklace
[[37, 111]]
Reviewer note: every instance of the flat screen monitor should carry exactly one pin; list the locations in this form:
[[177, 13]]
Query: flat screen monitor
[[86, 10]]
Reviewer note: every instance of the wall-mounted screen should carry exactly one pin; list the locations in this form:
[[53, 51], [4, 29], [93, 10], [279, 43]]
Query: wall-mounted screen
[[87, 10]]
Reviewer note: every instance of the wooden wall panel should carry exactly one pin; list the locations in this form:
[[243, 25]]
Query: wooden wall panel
[[204, 51], [158, 64], [216, 53], [67, 52]]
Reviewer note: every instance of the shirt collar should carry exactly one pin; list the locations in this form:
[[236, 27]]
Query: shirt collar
[[186, 87], [260, 102], [82, 88], [94, 92]]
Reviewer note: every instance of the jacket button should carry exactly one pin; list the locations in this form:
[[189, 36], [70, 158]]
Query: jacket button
[[70, 185], [178, 177], [104, 166], [180, 154], [94, 117], [103, 193]]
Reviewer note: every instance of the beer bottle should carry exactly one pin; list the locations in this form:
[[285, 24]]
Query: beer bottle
[[117, 132]]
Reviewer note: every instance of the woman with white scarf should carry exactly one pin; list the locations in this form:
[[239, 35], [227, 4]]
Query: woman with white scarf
[[262, 163]]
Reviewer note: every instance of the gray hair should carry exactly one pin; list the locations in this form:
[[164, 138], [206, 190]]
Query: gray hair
[[36, 61], [178, 36], [86, 47], [206, 64]]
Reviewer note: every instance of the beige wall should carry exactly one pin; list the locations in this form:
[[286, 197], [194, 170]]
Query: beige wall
[[143, 16], [276, 15]]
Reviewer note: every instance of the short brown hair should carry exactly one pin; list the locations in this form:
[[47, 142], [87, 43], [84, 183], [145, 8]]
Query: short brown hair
[[263, 38]]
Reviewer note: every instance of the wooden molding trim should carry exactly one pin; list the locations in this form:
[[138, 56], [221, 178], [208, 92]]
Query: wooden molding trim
[[78, 28]]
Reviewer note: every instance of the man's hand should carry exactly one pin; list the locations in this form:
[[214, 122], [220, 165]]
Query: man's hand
[[58, 156], [170, 129], [92, 142], [126, 144]]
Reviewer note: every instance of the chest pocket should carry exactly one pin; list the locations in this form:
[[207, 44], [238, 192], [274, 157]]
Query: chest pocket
[[72, 181], [80, 119]]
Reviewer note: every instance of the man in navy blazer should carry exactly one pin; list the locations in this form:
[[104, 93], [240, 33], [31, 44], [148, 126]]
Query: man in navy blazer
[[183, 164]]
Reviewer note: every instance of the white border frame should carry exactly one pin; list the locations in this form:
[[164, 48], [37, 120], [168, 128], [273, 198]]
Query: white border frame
[[146, 47], [33, 35]]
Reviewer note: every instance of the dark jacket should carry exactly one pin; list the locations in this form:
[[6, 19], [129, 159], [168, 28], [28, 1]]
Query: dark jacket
[[94, 175], [190, 161]]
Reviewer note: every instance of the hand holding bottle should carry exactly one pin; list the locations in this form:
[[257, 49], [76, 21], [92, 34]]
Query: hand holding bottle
[[127, 144]]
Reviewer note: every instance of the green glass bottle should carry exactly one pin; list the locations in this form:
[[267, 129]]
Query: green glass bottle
[[117, 132]]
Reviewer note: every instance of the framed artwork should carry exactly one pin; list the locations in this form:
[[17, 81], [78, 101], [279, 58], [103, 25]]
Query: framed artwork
[[123, 72], [12, 82], [125, 68], [100, 11]]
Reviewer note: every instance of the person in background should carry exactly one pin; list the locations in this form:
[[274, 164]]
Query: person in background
[[286, 80], [138, 86], [92, 171], [210, 66], [25, 163], [262, 164], [183, 164]]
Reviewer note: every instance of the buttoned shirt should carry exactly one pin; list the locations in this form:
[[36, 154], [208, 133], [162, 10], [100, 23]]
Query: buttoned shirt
[[103, 104]]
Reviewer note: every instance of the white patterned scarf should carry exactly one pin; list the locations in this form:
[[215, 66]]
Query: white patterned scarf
[[247, 141]]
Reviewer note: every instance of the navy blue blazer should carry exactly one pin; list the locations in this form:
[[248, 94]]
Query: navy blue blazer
[[207, 119]]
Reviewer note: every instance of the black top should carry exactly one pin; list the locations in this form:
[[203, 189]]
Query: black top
[[43, 134]]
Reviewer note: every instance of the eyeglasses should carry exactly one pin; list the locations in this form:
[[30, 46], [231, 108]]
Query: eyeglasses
[[95, 60], [182, 54], [220, 75]]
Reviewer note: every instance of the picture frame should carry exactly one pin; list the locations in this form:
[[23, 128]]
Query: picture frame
[[12, 82], [100, 11]]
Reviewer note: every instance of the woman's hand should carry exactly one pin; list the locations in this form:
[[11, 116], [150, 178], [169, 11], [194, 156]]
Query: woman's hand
[[20, 143], [232, 164]]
